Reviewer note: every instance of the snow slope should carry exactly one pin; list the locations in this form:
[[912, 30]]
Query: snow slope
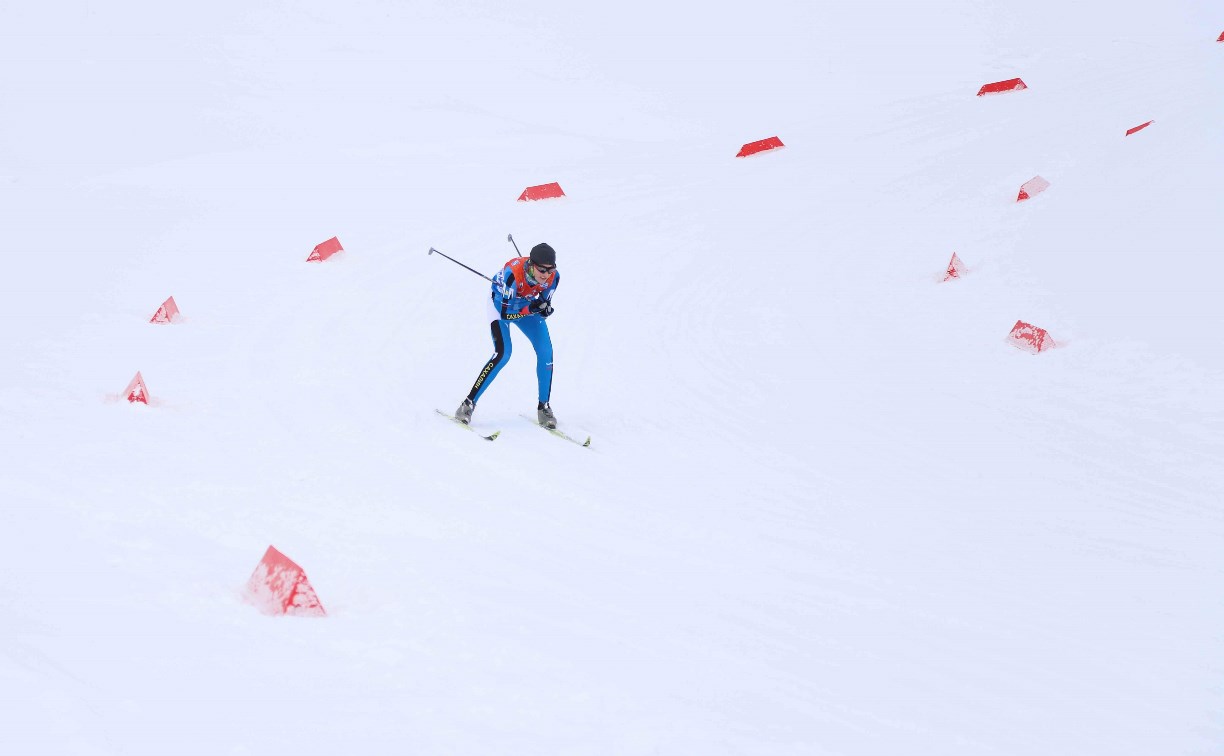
[[827, 509]]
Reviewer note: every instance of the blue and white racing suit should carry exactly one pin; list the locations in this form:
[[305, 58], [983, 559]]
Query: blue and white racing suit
[[514, 289]]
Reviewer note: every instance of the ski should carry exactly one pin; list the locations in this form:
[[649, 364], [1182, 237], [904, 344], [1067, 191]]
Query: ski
[[492, 437], [558, 433]]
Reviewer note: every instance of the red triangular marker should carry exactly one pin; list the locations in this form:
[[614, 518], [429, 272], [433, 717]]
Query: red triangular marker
[[1030, 338], [763, 145], [136, 391], [956, 268], [998, 87], [279, 586], [543, 191], [1139, 127], [1031, 188], [325, 250], [166, 313]]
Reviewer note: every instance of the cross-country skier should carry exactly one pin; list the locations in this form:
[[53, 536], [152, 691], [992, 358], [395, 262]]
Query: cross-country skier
[[522, 295]]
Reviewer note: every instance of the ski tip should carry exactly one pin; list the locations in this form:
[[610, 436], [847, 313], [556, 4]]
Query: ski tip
[[587, 443], [493, 436]]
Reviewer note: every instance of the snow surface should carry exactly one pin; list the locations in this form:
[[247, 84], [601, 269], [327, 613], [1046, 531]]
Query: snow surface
[[827, 509]]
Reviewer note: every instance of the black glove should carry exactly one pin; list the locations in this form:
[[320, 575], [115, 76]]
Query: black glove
[[541, 307]]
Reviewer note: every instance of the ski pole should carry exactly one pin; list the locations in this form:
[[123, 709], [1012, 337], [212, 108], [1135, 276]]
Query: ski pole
[[510, 238], [448, 257]]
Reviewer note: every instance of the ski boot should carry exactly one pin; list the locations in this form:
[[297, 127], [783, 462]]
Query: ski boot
[[546, 417], [464, 413]]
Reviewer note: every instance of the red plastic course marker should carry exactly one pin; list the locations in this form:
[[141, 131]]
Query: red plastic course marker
[[764, 145], [1221, 39], [998, 87], [543, 191], [166, 313], [956, 268], [325, 250], [136, 391], [1031, 188], [1030, 338], [279, 586], [1140, 127]]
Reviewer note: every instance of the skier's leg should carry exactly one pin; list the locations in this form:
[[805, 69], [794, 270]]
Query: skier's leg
[[501, 355], [536, 330]]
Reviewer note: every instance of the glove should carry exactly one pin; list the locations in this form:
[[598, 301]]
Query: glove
[[541, 307]]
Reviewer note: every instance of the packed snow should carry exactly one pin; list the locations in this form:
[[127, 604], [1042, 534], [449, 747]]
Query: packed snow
[[828, 508]]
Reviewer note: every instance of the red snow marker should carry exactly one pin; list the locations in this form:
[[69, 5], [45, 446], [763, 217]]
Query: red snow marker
[[136, 391], [1221, 39], [956, 268], [1030, 338], [279, 586], [325, 250], [1140, 127], [764, 145], [543, 191], [999, 87], [166, 313], [1031, 188]]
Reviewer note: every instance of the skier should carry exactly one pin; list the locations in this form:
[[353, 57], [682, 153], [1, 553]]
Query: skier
[[522, 295]]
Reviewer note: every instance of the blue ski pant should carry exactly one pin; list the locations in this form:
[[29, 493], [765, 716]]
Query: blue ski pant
[[536, 330]]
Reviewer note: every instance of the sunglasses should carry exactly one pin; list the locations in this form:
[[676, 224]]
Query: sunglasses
[[545, 269]]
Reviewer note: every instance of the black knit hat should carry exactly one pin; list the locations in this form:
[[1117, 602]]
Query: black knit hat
[[542, 254]]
